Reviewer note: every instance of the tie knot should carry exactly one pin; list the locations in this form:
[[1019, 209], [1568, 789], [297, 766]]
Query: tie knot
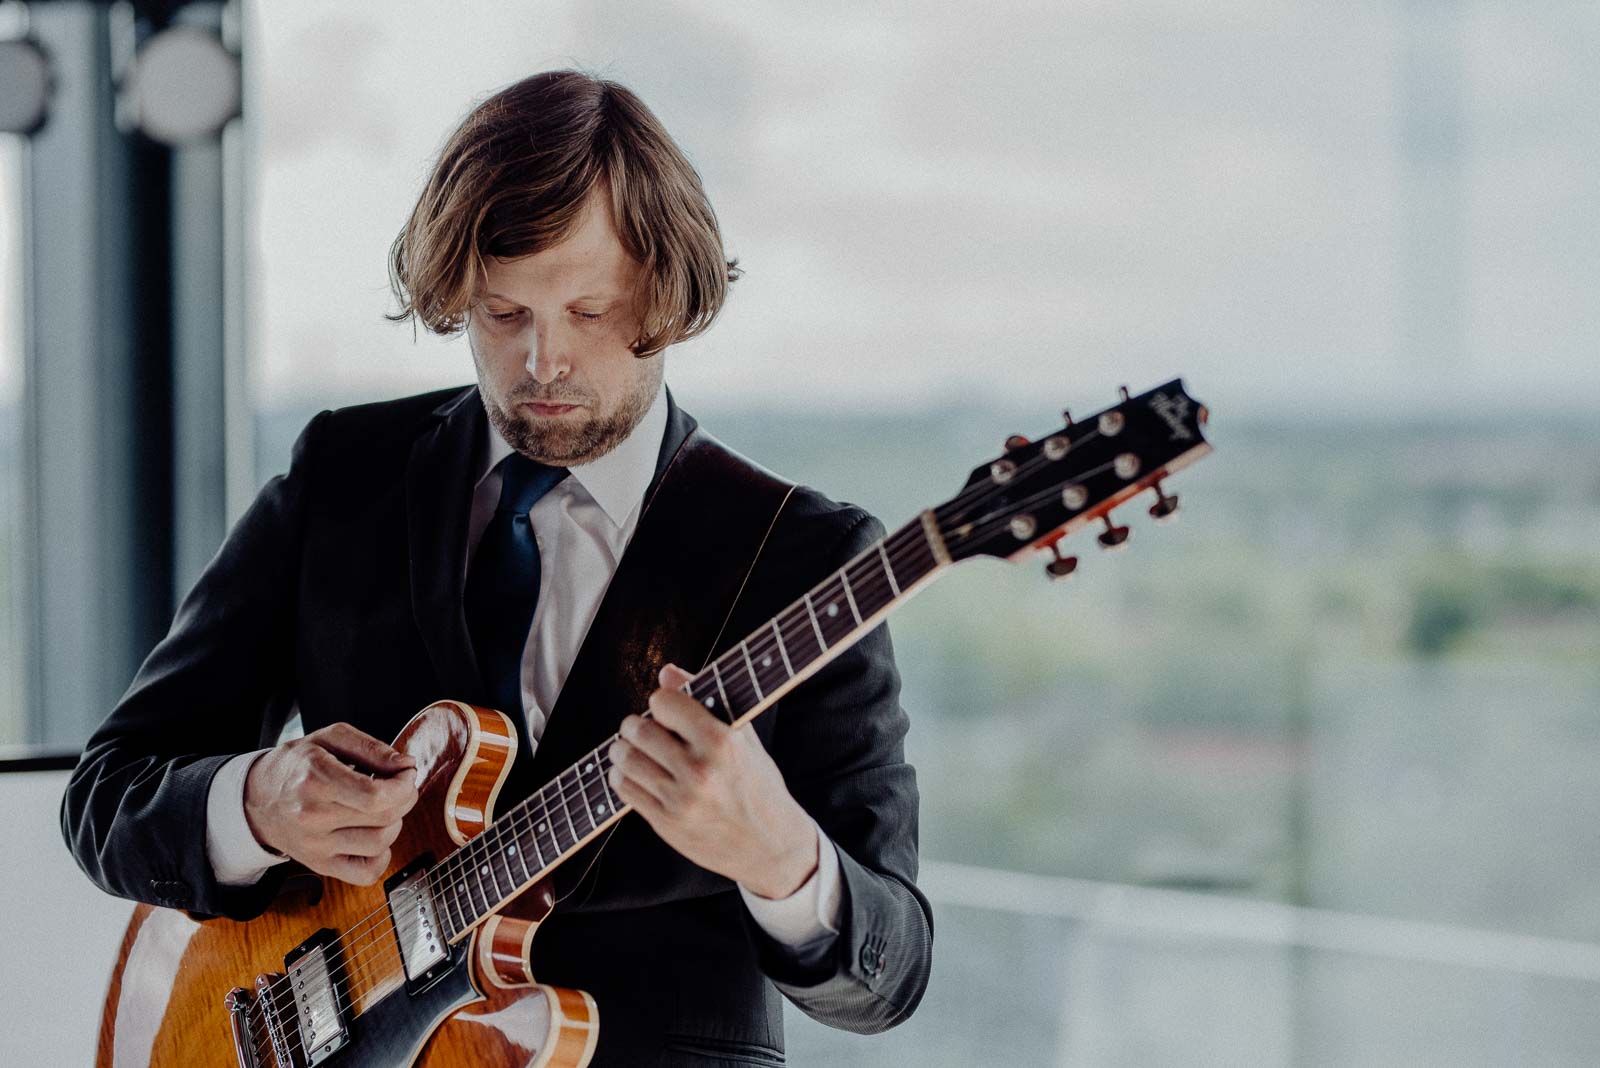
[[524, 481]]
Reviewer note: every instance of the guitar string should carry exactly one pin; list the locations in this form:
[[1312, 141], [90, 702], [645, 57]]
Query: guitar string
[[765, 642], [767, 639], [358, 962]]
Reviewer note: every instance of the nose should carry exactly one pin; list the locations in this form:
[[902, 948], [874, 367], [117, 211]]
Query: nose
[[549, 354]]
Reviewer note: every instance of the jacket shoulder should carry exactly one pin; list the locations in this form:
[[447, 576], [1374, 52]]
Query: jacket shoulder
[[365, 434], [809, 516]]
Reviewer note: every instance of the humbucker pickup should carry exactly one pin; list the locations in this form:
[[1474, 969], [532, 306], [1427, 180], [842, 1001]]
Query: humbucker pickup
[[321, 1013], [424, 946]]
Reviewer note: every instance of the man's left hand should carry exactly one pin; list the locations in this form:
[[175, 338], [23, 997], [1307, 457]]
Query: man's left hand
[[712, 793]]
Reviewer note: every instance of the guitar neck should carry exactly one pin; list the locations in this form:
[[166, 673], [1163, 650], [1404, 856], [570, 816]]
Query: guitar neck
[[530, 840]]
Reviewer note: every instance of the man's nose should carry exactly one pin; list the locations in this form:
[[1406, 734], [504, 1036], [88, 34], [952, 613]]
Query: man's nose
[[548, 355]]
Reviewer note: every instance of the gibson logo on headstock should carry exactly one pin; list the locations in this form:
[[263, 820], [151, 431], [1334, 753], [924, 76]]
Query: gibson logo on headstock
[[1174, 411]]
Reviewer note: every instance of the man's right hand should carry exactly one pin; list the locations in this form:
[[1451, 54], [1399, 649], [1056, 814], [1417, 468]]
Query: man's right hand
[[305, 800]]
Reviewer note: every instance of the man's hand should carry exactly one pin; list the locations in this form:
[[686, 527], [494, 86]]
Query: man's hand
[[712, 793], [305, 800]]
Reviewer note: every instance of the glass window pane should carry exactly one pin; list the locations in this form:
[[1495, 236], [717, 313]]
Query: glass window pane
[[14, 727]]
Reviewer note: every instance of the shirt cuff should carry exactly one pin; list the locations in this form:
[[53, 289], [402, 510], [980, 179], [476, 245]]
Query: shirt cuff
[[237, 859], [808, 916]]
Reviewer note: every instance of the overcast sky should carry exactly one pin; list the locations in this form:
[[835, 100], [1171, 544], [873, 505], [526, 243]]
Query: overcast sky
[[1299, 205]]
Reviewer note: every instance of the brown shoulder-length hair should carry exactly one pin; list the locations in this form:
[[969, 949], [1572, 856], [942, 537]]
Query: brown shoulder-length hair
[[511, 181]]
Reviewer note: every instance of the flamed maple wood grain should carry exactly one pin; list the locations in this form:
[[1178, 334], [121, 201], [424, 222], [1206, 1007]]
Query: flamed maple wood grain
[[165, 1003]]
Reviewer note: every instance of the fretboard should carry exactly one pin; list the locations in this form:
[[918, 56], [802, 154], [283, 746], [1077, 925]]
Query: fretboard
[[527, 842]]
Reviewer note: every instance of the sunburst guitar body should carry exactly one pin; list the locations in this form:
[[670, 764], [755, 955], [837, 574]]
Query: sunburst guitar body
[[220, 994]]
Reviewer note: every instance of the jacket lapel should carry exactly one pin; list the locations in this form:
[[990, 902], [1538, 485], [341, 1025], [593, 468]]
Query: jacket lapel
[[438, 502], [648, 616]]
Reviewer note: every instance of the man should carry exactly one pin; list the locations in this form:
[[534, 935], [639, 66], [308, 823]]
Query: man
[[546, 543]]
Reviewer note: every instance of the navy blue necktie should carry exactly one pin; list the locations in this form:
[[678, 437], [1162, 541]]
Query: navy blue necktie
[[503, 582]]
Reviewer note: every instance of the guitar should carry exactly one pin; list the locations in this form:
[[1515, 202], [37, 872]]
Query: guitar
[[431, 967]]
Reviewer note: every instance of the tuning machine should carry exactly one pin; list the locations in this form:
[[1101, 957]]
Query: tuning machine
[[1114, 536], [1166, 507], [1015, 442], [1061, 566]]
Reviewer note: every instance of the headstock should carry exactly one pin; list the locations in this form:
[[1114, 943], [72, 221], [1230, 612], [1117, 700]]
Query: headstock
[[1038, 492]]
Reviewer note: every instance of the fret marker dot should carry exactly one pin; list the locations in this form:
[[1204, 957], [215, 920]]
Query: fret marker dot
[[486, 869], [511, 851], [602, 807], [833, 609], [766, 661], [589, 766], [711, 702], [541, 828]]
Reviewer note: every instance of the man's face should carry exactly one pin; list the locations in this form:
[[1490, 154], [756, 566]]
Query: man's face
[[550, 336]]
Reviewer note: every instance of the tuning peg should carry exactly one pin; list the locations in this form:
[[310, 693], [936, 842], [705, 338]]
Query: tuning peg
[[1113, 537], [1124, 391], [1061, 566], [1166, 506], [1015, 441], [1066, 414]]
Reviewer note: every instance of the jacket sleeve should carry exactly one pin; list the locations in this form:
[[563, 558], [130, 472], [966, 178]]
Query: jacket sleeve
[[839, 743], [134, 809]]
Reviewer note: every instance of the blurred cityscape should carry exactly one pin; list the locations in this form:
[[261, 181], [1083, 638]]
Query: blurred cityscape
[[1358, 674]]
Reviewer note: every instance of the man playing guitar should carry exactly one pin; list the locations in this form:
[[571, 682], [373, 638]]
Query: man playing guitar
[[541, 543]]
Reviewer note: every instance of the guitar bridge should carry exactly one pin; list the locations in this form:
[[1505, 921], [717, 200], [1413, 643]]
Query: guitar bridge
[[316, 980]]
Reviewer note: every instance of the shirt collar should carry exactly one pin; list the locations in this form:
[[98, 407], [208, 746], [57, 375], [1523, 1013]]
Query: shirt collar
[[618, 479]]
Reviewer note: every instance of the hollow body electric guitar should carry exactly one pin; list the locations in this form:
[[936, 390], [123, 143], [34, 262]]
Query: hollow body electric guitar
[[431, 966]]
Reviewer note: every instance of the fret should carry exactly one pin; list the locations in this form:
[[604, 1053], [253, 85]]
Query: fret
[[871, 593], [752, 669], [605, 778], [547, 827], [444, 896], [703, 688], [561, 795], [746, 692], [727, 704], [461, 891], [488, 874], [778, 635], [580, 803], [528, 842], [888, 569], [834, 619], [480, 904], [800, 641], [444, 904], [599, 807], [914, 551], [844, 580], [822, 642], [478, 856]]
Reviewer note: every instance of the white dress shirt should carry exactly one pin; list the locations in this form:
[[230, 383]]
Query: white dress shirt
[[582, 527]]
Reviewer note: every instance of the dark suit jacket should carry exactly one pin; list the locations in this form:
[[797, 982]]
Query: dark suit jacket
[[340, 592]]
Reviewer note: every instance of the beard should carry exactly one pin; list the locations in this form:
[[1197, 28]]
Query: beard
[[559, 441]]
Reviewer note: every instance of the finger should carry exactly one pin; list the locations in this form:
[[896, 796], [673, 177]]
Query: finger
[[689, 719], [658, 743], [359, 871], [362, 841], [673, 677], [361, 749], [639, 799], [631, 765], [337, 782]]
